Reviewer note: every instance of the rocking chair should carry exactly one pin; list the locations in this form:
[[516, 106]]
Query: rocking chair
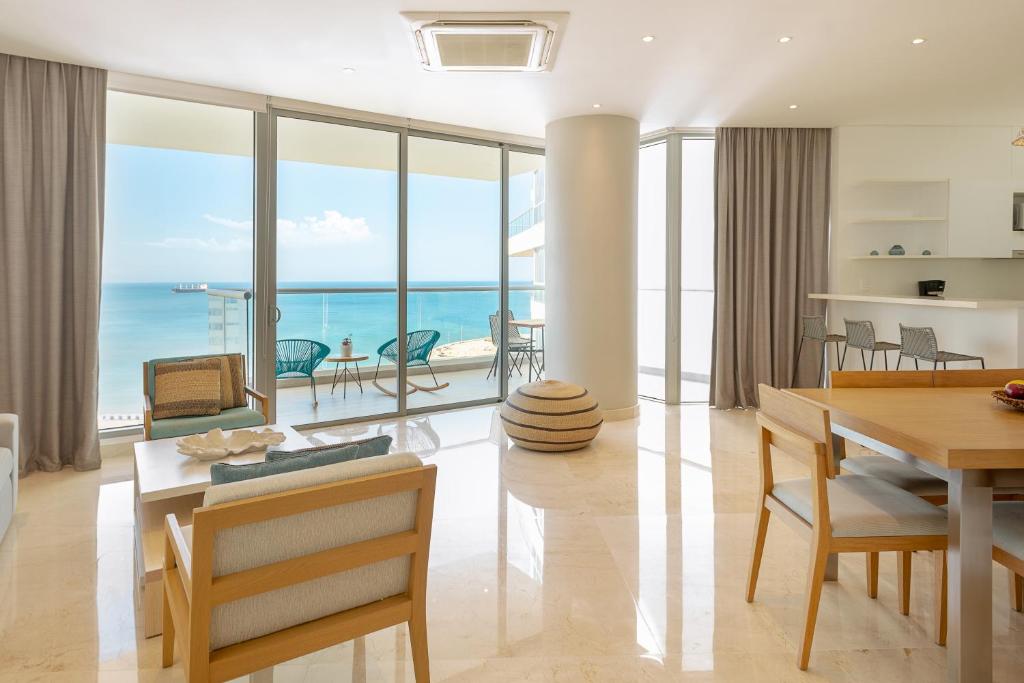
[[418, 346]]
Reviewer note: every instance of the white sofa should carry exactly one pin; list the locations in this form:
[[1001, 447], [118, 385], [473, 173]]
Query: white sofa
[[8, 470]]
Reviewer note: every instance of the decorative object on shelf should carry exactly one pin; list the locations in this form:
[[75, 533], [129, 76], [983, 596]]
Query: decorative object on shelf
[[1019, 140], [926, 252], [215, 445], [1015, 403], [550, 415], [874, 252], [897, 250], [346, 346]]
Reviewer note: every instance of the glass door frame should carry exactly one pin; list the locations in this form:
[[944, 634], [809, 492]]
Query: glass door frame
[[266, 312], [673, 139]]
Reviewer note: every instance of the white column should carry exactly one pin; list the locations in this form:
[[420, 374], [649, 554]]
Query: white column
[[590, 253]]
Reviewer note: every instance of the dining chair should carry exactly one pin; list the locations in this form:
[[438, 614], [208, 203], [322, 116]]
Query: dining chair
[[1008, 546], [815, 330], [843, 514], [920, 343], [281, 566], [860, 334]]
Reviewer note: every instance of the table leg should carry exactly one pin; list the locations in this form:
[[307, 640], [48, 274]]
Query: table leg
[[334, 383], [344, 380], [969, 639], [359, 382], [543, 348], [530, 370]]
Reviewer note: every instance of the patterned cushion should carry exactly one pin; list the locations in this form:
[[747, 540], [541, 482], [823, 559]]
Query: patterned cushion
[[232, 381], [184, 388], [365, 448]]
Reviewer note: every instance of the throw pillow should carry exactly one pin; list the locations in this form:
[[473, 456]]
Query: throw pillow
[[226, 473], [232, 381], [366, 448], [187, 388]]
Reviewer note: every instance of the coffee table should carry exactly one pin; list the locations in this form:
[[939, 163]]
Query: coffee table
[[167, 482]]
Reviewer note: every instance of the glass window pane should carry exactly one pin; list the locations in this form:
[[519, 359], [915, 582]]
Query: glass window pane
[[651, 272], [698, 273], [526, 259], [177, 246]]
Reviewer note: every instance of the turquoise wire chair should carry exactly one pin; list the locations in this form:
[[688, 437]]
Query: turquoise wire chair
[[299, 358], [418, 346]]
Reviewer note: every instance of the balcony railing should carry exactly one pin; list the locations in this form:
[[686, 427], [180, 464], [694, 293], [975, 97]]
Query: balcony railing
[[526, 220]]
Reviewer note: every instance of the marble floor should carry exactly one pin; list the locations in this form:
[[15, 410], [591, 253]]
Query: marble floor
[[622, 562]]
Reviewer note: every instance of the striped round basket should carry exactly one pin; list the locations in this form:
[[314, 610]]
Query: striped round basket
[[551, 416]]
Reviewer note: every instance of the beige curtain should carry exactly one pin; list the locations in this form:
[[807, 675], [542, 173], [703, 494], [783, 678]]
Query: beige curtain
[[52, 144], [771, 246]]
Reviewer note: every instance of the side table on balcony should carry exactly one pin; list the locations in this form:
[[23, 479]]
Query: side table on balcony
[[345, 372]]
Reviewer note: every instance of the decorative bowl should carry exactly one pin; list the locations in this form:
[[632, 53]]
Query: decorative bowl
[[1015, 403], [215, 445]]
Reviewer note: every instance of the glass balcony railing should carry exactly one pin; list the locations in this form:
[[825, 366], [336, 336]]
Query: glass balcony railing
[[526, 220]]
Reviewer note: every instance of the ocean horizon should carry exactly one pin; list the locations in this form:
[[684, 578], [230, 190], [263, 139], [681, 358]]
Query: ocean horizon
[[144, 320]]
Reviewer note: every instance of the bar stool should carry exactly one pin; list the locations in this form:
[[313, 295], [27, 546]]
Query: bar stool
[[920, 343], [860, 334], [814, 330]]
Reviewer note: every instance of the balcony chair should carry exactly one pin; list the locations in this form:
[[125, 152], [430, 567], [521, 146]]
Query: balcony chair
[[518, 346], [847, 513], [814, 330], [277, 567], [860, 334], [299, 358], [418, 346], [920, 343], [230, 418]]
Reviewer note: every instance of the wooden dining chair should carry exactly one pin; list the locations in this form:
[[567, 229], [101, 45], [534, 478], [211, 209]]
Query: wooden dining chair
[[1008, 546], [843, 514], [281, 566]]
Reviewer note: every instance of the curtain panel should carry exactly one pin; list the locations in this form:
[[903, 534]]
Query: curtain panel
[[52, 152], [771, 251]]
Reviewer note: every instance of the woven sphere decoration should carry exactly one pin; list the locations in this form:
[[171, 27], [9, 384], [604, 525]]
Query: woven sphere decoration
[[551, 416]]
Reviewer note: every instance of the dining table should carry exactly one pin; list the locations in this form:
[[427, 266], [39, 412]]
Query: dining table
[[962, 435]]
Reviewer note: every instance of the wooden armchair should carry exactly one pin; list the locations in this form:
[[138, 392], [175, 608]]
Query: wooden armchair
[[231, 418], [317, 557]]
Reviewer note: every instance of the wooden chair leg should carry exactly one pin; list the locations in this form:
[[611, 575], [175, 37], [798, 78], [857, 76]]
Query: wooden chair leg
[[418, 639], [760, 531], [941, 587], [815, 580], [1016, 591], [872, 572], [167, 638], [903, 566]]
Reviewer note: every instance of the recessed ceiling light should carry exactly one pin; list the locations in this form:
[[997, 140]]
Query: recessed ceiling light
[[917, 41], [793, 106], [785, 39], [596, 106], [648, 39], [348, 70]]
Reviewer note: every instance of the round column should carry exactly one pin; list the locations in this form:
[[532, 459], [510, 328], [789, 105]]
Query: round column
[[590, 257]]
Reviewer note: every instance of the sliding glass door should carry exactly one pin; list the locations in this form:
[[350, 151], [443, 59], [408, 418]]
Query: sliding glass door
[[337, 207]]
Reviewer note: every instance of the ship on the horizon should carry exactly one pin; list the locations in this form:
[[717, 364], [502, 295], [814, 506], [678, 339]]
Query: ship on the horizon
[[189, 288]]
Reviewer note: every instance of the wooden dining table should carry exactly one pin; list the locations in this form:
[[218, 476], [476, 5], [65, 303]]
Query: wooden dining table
[[965, 437]]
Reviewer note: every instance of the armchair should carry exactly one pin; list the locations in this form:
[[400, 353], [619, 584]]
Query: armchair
[[231, 418], [8, 470]]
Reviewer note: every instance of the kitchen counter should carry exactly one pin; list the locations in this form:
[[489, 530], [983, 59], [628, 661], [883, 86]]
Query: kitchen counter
[[987, 304]]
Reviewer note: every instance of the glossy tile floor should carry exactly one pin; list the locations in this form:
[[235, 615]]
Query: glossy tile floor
[[622, 562]]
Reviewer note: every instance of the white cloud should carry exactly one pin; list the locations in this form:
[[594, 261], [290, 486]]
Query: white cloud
[[332, 228], [229, 223], [200, 244]]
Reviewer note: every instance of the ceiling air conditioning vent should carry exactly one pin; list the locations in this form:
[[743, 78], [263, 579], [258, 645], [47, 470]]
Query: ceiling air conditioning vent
[[485, 41]]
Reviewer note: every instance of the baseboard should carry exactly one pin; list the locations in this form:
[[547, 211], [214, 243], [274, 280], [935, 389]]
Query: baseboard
[[621, 413]]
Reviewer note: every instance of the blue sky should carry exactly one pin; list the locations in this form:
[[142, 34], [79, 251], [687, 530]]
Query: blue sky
[[175, 216]]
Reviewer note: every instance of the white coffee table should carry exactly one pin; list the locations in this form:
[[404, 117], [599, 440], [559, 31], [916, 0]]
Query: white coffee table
[[166, 482]]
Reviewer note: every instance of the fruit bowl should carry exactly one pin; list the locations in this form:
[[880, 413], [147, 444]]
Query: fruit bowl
[[1015, 403]]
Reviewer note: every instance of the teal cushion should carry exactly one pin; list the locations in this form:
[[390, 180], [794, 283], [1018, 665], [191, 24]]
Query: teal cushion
[[365, 448], [225, 473], [232, 418]]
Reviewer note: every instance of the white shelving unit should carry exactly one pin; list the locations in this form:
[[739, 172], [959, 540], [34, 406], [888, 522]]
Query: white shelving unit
[[913, 213]]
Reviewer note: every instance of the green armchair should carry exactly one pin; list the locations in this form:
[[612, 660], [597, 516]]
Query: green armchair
[[231, 418]]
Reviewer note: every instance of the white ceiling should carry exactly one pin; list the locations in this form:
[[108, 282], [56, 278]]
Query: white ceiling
[[714, 62]]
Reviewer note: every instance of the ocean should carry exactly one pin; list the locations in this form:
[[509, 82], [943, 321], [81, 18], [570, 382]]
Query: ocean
[[140, 321]]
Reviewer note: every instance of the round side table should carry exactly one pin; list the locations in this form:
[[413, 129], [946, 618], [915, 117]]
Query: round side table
[[345, 372]]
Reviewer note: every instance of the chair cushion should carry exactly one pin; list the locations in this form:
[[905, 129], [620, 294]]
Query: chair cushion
[[1008, 527], [6, 462], [275, 540], [225, 473], [865, 506], [187, 388], [365, 448], [233, 418], [232, 381], [899, 474]]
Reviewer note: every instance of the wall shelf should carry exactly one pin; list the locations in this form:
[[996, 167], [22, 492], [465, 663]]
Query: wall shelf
[[933, 257], [899, 219]]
